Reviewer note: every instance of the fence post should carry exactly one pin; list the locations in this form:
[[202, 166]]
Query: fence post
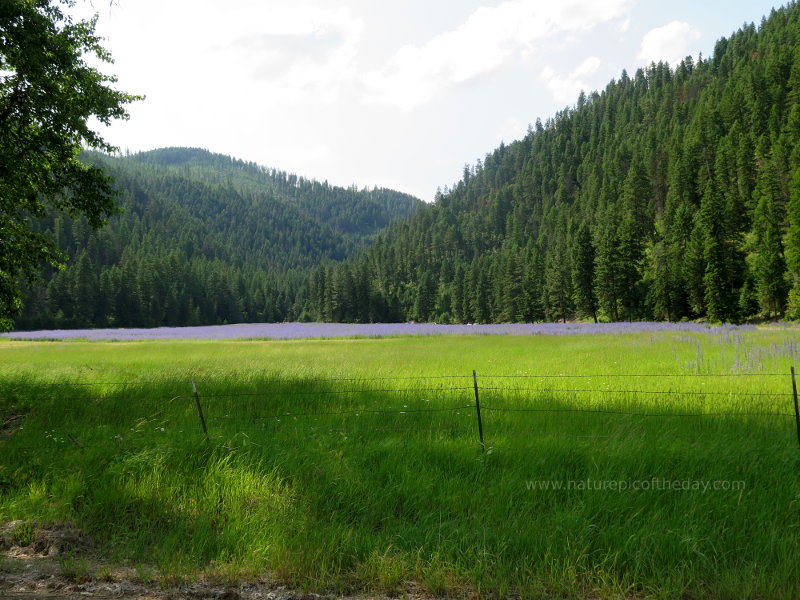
[[200, 410], [478, 409], [796, 407]]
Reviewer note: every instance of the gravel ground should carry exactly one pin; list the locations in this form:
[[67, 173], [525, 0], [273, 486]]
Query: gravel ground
[[41, 578]]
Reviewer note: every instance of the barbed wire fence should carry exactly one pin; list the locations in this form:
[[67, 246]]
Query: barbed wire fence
[[471, 392]]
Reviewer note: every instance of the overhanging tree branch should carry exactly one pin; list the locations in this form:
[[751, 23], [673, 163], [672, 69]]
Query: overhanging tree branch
[[45, 106]]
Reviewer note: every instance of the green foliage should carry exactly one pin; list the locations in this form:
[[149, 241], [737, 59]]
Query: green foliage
[[770, 265], [792, 245], [583, 273], [608, 263], [205, 239], [48, 94], [558, 283], [718, 253], [74, 569]]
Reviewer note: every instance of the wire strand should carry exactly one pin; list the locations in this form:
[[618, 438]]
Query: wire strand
[[638, 414]]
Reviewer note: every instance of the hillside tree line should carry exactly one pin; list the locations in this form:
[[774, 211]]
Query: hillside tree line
[[672, 194]]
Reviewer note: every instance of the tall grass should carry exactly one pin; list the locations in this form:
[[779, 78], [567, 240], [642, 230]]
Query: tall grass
[[306, 479]]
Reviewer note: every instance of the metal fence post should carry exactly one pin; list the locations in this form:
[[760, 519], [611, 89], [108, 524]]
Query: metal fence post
[[796, 407], [478, 409], [200, 410]]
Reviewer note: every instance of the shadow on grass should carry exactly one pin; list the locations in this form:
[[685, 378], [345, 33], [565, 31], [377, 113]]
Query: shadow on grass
[[353, 485]]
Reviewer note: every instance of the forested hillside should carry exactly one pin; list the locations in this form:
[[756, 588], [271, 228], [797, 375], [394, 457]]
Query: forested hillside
[[674, 193], [671, 194], [360, 214], [202, 239]]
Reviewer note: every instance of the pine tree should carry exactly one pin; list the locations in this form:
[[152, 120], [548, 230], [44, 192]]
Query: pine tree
[[459, 295], [636, 200], [532, 285], [511, 289], [694, 269], [607, 270], [661, 282], [792, 245], [635, 230], [85, 290], [583, 256], [558, 282], [769, 263], [719, 295], [479, 303]]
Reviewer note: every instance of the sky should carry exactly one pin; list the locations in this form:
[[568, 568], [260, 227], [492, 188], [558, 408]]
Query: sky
[[397, 94]]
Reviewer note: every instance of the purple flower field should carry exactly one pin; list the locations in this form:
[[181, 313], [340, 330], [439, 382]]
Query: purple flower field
[[296, 331]]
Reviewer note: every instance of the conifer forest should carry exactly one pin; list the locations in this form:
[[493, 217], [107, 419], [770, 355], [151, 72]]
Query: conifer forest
[[674, 193]]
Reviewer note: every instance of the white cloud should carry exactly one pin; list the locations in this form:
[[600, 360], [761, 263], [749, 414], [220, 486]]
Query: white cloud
[[671, 43], [512, 129], [488, 39], [297, 52], [565, 89]]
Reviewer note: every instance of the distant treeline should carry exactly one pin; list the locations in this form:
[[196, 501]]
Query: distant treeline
[[202, 239]]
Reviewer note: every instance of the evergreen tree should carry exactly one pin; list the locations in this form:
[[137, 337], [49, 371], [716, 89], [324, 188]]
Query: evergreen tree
[[460, 305], [558, 282], [426, 294], [607, 270], [511, 289], [721, 299], [769, 264], [694, 269], [792, 245], [583, 257]]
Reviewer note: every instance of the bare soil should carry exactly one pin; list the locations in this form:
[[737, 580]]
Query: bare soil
[[53, 561]]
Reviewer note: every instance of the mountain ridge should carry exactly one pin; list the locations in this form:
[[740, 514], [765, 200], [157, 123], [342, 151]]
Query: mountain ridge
[[202, 245]]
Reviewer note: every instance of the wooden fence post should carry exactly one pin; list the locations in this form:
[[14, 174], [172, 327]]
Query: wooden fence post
[[478, 409]]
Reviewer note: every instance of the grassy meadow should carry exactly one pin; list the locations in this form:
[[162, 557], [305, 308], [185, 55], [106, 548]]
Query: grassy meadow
[[353, 465]]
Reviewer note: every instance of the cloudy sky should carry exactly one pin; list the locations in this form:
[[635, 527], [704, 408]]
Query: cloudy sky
[[399, 94]]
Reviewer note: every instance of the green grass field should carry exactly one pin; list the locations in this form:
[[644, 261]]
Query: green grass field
[[306, 480]]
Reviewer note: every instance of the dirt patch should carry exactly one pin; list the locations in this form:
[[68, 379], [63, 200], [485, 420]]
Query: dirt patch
[[53, 561], [40, 579], [9, 424], [21, 539]]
